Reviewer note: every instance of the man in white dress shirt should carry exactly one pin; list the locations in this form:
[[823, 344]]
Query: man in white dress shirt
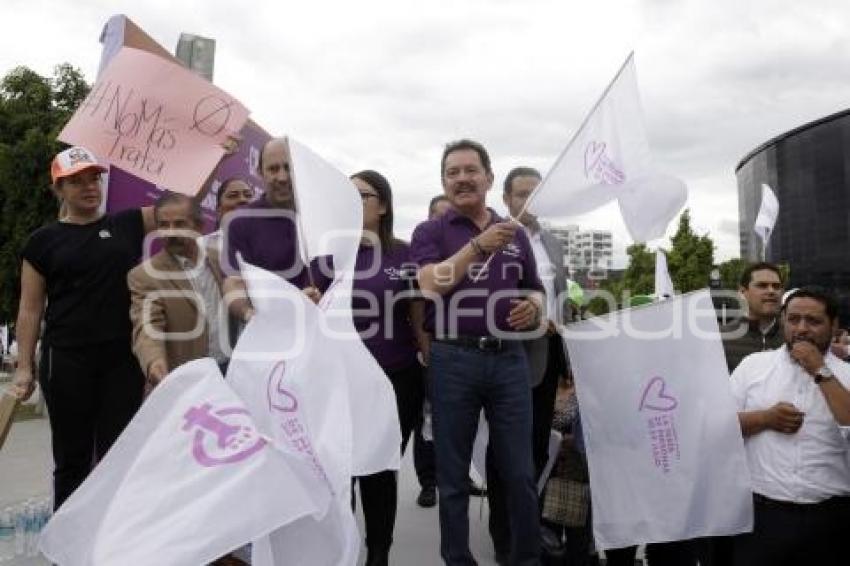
[[793, 406]]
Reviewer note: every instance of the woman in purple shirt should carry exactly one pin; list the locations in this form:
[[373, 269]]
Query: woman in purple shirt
[[389, 322]]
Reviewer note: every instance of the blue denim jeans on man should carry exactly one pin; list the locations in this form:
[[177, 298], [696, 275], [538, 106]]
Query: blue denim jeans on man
[[464, 380]]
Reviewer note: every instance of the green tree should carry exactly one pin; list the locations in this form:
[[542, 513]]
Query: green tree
[[33, 110], [730, 272], [691, 257], [639, 278]]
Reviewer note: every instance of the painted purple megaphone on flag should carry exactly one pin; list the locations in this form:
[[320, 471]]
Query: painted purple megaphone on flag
[[166, 490]]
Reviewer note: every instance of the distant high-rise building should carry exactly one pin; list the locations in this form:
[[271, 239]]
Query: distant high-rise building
[[197, 53], [588, 254]]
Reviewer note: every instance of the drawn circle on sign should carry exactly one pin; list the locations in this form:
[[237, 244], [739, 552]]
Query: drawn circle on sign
[[211, 115]]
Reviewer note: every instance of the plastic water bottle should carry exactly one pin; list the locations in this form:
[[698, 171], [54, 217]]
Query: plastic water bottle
[[44, 512], [7, 536], [20, 520], [427, 426], [32, 529]]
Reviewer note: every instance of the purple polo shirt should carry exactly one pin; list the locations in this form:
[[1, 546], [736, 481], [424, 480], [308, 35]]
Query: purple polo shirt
[[512, 268], [381, 304], [271, 243]]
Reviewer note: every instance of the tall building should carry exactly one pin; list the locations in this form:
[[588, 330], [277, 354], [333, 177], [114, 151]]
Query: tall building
[[809, 170], [197, 53], [588, 254]]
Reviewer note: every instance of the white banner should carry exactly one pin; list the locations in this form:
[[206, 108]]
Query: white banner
[[306, 375], [768, 213], [664, 447], [663, 283], [331, 223], [189, 480], [315, 397], [609, 158]]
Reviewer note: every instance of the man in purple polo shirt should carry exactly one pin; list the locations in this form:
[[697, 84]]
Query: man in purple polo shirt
[[477, 359], [265, 234]]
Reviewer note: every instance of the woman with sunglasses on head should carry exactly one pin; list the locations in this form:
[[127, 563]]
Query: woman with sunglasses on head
[[383, 278], [78, 267]]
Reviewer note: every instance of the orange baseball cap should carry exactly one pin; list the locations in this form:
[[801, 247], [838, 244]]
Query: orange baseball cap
[[72, 161]]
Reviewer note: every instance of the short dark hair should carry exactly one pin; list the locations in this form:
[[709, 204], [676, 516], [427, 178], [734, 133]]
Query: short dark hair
[[462, 144], [747, 275], [820, 294], [385, 197], [223, 187], [434, 202], [520, 172], [171, 197]]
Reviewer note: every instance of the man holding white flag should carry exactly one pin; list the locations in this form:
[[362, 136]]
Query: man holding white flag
[[609, 158], [338, 412], [166, 492], [266, 234], [477, 359]]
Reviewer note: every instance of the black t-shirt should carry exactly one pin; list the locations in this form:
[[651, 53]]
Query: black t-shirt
[[85, 270]]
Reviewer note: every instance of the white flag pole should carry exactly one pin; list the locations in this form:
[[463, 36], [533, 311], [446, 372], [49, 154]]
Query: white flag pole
[[301, 237]]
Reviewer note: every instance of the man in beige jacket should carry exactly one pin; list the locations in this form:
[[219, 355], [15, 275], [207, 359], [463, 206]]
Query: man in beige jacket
[[176, 295]]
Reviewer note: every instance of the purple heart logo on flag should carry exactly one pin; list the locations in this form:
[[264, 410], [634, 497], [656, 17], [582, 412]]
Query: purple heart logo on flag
[[592, 156], [222, 436], [600, 167], [279, 397], [656, 398]]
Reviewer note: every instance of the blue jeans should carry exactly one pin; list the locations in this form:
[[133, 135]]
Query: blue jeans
[[463, 381]]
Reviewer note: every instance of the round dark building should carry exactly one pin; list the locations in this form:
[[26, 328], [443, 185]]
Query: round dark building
[[808, 169]]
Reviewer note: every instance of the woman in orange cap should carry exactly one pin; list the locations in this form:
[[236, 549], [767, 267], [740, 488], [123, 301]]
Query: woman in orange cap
[[78, 267]]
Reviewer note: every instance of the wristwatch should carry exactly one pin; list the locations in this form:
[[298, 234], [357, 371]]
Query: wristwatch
[[823, 375]]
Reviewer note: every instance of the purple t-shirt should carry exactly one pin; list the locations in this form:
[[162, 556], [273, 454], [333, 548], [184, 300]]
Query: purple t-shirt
[[480, 308], [269, 240], [382, 292]]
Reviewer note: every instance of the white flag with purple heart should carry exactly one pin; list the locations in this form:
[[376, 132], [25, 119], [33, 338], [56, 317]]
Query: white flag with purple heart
[[166, 492], [664, 447], [609, 158]]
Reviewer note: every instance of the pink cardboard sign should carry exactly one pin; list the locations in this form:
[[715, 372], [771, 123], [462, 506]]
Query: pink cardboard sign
[[156, 120]]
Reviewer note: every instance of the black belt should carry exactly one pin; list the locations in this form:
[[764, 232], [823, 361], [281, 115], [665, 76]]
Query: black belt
[[835, 500], [481, 343]]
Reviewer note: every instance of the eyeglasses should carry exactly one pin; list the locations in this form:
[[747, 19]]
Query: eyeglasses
[[366, 196]]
